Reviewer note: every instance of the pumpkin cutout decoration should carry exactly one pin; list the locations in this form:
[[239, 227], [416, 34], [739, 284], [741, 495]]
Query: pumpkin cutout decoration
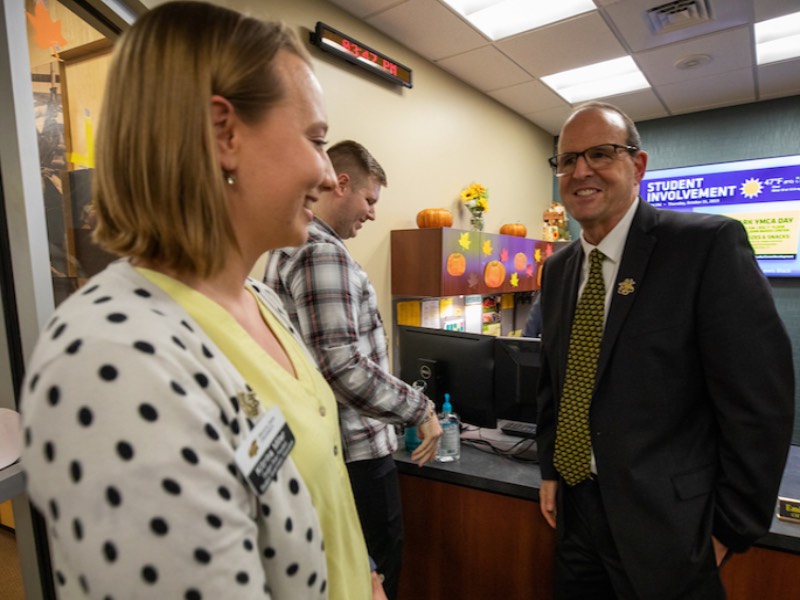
[[520, 261], [494, 274], [515, 229], [434, 217], [456, 264]]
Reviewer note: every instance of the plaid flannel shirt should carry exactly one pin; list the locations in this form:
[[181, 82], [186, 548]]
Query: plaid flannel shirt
[[334, 307]]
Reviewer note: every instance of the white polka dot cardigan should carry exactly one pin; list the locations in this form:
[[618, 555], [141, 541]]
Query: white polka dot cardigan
[[131, 421]]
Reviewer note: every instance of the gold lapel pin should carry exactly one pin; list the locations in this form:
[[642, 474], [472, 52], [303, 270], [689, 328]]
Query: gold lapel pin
[[249, 403], [625, 287]]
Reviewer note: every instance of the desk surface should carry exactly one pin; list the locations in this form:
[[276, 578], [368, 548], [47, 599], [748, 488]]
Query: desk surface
[[481, 470], [504, 475]]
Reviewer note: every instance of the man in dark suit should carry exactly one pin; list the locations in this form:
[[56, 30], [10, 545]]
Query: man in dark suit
[[692, 406]]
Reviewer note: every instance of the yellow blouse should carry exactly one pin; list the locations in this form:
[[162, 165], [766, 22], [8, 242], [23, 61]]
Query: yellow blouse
[[309, 407]]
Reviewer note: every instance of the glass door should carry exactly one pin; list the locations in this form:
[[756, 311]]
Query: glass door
[[54, 56]]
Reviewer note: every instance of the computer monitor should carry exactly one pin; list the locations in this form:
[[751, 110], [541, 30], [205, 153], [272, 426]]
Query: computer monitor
[[516, 376], [458, 363]]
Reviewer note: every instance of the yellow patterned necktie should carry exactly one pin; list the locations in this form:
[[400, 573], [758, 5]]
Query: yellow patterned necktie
[[573, 440]]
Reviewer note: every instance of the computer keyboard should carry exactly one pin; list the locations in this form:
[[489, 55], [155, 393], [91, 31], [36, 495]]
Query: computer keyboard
[[519, 429]]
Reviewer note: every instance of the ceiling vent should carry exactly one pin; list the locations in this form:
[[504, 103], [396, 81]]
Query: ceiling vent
[[676, 15]]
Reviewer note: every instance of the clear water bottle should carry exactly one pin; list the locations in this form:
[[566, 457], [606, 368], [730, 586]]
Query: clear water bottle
[[450, 442]]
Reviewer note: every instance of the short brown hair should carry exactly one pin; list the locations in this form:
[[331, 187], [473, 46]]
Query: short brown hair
[[159, 188], [352, 158]]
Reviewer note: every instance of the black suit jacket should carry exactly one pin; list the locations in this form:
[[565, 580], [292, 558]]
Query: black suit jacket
[[692, 414]]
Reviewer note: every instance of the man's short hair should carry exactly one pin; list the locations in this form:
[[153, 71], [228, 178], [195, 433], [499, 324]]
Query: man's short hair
[[352, 158]]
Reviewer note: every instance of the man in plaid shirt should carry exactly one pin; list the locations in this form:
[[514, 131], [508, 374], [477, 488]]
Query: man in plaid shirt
[[332, 303]]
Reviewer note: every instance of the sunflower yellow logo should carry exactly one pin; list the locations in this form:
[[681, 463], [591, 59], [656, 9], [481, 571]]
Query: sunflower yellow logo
[[751, 188]]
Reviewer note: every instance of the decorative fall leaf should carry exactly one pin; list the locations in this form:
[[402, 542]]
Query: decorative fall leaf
[[537, 255], [464, 241], [85, 160], [472, 280], [504, 255], [47, 31], [529, 270], [487, 247], [514, 280]]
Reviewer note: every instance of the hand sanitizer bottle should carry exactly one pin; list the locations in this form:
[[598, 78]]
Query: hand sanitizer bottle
[[450, 442]]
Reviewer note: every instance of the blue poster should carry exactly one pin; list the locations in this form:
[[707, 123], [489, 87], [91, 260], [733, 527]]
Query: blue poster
[[764, 194]]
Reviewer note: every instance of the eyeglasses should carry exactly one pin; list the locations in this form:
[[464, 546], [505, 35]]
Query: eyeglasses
[[597, 157]]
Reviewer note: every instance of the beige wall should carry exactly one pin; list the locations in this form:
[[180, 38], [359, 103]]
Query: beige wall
[[432, 140]]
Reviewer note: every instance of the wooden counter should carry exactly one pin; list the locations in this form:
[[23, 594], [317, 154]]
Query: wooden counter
[[473, 530]]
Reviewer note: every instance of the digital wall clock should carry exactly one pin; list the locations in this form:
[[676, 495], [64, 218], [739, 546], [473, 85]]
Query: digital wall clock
[[342, 45]]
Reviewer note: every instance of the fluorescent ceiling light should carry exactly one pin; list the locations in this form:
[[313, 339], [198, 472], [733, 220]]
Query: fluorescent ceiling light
[[778, 39], [603, 79], [499, 19]]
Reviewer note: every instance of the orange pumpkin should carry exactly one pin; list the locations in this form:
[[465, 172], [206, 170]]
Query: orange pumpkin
[[520, 261], [494, 274], [456, 264], [515, 229], [434, 217]]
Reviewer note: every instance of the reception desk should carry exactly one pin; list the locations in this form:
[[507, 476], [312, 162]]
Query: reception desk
[[473, 530]]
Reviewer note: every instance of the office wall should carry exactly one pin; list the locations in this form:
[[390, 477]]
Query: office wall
[[758, 130], [432, 140]]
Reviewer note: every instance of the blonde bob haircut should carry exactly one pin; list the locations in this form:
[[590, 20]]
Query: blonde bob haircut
[[159, 191]]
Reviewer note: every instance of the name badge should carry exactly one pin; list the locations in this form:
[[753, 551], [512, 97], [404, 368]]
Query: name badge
[[264, 450]]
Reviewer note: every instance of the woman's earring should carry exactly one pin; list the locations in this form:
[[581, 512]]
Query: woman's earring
[[230, 178]]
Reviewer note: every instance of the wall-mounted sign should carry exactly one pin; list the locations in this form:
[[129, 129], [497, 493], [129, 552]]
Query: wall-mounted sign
[[361, 55], [762, 193]]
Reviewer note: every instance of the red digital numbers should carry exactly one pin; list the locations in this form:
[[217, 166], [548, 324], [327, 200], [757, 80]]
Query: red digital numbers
[[359, 52], [365, 54]]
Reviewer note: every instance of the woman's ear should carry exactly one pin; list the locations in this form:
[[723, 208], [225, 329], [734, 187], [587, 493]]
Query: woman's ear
[[223, 119]]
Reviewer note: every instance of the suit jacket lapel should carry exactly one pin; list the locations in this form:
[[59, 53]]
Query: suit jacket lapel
[[572, 277], [562, 286], [630, 276]]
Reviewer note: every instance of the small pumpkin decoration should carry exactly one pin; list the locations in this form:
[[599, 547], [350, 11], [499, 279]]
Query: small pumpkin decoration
[[515, 229], [434, 217], [494, 274], [520, 261], [456, 264]]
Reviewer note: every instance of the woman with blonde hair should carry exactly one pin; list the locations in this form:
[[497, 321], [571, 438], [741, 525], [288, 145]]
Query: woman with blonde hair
[[178, 438]]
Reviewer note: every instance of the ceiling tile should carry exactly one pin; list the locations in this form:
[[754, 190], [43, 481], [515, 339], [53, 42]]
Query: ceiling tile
[[566, 45], [780, 79], [616, 29], [729, 50], [485, 69], [550, 119], [769, 9], [528, 97], [629, 20], [427, 27], [640, 105], [365, 8], [726, 89]]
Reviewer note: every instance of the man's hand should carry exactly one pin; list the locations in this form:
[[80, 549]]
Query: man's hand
[[720, 551], [429, 433], [547, 501]]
